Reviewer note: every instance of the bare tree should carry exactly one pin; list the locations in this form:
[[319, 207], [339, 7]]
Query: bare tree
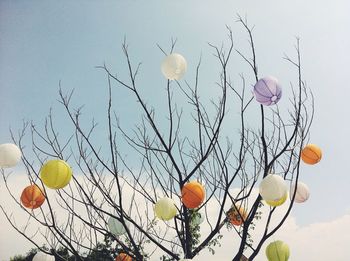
[[113, 185]]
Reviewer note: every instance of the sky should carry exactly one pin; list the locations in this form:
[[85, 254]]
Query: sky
[[43, 43]]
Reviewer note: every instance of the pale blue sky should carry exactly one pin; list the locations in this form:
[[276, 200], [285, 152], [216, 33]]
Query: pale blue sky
[[42, 42]]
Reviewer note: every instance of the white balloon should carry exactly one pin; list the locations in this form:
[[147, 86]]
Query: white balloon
[[174, 66], [10, 155], [41, 256], [116, 227], [302, 193], [273, 188]]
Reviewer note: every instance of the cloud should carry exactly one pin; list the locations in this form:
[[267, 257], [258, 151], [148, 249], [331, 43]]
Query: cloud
[[318, 241]]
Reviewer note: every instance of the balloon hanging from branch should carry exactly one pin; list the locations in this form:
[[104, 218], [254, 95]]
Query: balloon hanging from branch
[[56, 174], [123, 257], [32, 197], [273, 190], [165, 209], [302, 194], [267, 91], [193, 194], [277, 251], [197, 219], [116, 227], [10, 155], [174, 66], [311, 154], [236, 215]]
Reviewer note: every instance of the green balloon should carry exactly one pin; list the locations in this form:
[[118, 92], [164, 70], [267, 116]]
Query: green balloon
[[116, 227], [277, 251]]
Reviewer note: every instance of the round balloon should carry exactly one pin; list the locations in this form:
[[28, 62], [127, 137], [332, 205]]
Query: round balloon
[[123, 257], [197, 219], [277, 202], [273, 188], [193, 194], [174, 66], [41, 256], [267, 91], [56, 174], [311, 154], [302, 194], [32, 197], [10, 155], [277, 251], [116, 227], [165, 209], [237, 215]]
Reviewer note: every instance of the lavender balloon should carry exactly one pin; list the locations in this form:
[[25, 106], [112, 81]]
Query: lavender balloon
[[267, 91]]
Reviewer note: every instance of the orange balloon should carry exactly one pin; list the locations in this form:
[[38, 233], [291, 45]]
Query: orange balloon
[[32, 197], [193, 194], [311, 154], [237, 216], [123, 257]]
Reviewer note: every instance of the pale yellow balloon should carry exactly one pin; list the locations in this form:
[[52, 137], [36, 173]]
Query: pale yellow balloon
[[56, 174], [165, 209], [174, 66]]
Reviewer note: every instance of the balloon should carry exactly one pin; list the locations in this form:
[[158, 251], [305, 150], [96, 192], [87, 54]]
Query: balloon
[[174, 66], [277, 251], [237, 217], [267, 91], [273, 188], [192, 194], [197, 219], [116, 227], [123, 257], [165, 209], [41, 256], [302, 193], [56, 174], [32, 197], [10, 155], [311, 154], [279, 202]]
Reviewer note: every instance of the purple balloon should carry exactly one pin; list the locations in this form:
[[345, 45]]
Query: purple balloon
[[267, 91]]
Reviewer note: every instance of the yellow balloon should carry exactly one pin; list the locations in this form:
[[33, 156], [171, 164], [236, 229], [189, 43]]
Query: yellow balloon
[[174, 66], [279, 202], [277, 251], [56, 174], [165, 209]]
